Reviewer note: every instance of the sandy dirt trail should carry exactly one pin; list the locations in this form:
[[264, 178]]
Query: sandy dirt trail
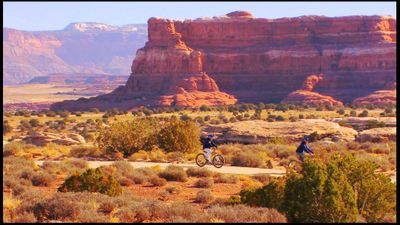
[[224, 169]]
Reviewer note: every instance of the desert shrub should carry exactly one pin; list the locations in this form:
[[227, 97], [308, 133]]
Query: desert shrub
[[157, 155], [56, 208], [204, 196], [242, 213], [234, 200], [247, 158], [15, 166], [107, 207], [204, 183], [84, 151], [263, 178], [93, 180], [340, 111], [353, 113], [173, 173], [91, 216], [13, 148], [42, 179], [140, 155], [123, 167], [225, 178], [124, 181], [199, 172], [281, 107], [18, 189], [363, 114], [157, 181], [293, 119], [74, 165], [283, 153], [173, 189], [204, 108], [25, 218], [314, 136], [7, 128], [34, 122], [175, 156], [71, 207], [374, 124], [301, 116]]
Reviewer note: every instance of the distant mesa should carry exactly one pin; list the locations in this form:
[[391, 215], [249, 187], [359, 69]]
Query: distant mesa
[[307, 59], [79, 48], [240, 14]]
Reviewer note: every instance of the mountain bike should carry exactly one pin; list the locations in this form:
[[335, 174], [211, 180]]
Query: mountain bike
[[217, 159], [294, 165]]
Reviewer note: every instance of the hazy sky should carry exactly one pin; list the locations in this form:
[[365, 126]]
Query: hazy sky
[[57, 15]]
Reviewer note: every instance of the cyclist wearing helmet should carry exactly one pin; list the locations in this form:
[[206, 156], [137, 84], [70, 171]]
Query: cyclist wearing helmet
[[208, 143], [303, 148]]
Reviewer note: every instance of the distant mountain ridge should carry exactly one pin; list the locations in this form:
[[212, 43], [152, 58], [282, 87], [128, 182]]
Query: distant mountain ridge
[[79, 48]]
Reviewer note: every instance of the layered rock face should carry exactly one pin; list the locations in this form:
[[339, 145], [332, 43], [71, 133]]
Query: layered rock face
[[262, 60]]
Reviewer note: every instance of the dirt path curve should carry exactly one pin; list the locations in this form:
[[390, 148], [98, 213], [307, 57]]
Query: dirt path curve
[[224, 169]]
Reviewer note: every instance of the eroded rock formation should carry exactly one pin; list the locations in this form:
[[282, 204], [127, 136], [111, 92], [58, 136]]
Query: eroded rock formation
[[256, 60], [43, 138]]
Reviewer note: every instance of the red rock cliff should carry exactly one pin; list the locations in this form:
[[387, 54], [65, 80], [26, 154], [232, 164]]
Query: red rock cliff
[[252, 59]]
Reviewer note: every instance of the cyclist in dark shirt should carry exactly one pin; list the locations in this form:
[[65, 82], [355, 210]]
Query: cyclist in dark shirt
[[304, 148], [208, 143]]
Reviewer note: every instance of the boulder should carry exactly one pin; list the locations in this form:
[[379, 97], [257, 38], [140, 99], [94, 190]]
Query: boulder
[[377, 135], [43, 138]]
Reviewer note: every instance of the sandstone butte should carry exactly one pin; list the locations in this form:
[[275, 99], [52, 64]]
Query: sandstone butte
[[239, 58]]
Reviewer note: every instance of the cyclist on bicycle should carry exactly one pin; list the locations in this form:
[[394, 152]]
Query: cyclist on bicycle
[[208, 143], [303, 148]]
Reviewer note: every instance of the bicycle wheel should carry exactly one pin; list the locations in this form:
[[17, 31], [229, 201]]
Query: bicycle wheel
[[294, 165], [201, 160], [218, 161]]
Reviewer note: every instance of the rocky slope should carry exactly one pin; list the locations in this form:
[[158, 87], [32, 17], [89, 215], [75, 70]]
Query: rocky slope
[[259, 131], [79, 48], [255, 59]]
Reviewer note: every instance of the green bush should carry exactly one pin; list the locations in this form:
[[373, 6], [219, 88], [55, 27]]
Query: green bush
[[93, 180], [129, 137], [339, 190], [181, 136]]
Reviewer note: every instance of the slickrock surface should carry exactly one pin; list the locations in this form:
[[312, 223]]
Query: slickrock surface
[[258, 131]]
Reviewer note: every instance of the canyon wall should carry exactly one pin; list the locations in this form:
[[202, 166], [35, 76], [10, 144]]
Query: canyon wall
[[237, 57]]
